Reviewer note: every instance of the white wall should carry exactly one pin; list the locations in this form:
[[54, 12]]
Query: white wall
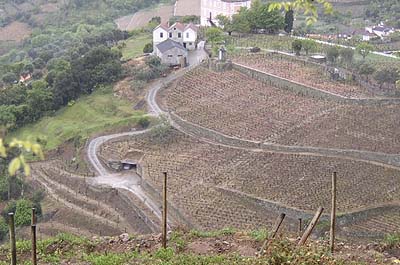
[[216, 7], [156, 35], [192, 35]]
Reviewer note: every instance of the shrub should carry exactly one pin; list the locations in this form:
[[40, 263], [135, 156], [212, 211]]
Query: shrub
[[148, 48], [23, 212], [144, 121], [3, 228], [297, 46], [392, 240]]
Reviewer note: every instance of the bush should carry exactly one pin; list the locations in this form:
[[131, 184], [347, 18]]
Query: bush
[[144, 121], [23, 212], [148, 48], [297, 46], [3, 228], [3, 189]]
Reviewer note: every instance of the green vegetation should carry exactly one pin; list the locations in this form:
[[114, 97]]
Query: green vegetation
[[392, 240], [259, 235], [89, 114], [257, 18], [133, 47], [68, 249], [384, 10]]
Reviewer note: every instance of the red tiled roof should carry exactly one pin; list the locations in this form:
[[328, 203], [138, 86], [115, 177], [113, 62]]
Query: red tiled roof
[[191, 26], [179, 26]]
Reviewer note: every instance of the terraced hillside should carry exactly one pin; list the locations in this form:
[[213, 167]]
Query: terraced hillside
[[302, 72], [237, 105], [215, 186]]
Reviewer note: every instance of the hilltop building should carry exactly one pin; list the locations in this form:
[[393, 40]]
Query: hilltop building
[[172, 43], [210, 9]]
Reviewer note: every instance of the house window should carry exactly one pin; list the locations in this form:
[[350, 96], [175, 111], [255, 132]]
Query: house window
[[174, 28], [161, 35], [170, 34], [180, 55], [187, 34], [190, 44], [179, 35], [169, 55]]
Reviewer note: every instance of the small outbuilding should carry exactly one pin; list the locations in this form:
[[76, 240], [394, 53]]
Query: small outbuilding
[[172, 53]]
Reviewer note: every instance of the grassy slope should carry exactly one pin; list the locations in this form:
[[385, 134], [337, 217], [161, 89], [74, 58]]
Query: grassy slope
[[90, 114], [134, 46]]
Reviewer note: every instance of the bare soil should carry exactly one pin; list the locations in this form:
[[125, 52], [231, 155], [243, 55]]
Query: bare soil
[[15, 31]]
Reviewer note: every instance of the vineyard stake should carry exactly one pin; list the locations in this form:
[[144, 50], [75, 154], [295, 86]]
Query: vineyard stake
[[33, 234], [164, 217], [33, 221], [273, 235], [13, 246], [300, 227], [311, 226], [333, 213]]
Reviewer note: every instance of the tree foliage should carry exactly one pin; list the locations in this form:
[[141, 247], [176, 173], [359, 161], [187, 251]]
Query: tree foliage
[[308, 45], [332, 54], [364, 49], [289, 19], [297, 45], [307, 7]]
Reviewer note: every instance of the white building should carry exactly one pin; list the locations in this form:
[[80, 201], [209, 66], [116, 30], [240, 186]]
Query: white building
[[381, 30], [186, 35], [210, 9]]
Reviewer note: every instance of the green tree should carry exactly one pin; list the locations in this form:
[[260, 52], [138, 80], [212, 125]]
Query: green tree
[[226, 23], [346, 56], [364, 49], [307, 7], [289, 19], [240, 22], [148, 48], [332, 53], [214, 35], [387, 75], [10, 78], [308, 45], [297, 45]]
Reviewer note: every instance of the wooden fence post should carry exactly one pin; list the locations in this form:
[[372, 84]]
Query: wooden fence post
[[311, 226], [274, 232], [33, 234], [33, 237], [13, 246], [300, 226], [33, 221], [164, 217], [333, 213]]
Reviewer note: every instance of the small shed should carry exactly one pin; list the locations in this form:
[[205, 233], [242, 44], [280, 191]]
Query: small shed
[[128, 164], [172, 53]]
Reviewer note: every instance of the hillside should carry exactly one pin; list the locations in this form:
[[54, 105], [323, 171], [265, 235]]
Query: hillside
[[225, 246]]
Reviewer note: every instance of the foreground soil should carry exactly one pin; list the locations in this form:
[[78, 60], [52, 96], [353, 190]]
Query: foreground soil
[[219, 247]]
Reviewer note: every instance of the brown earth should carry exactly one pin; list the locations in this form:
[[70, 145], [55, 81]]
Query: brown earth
[[141, 18], [15, 31]]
